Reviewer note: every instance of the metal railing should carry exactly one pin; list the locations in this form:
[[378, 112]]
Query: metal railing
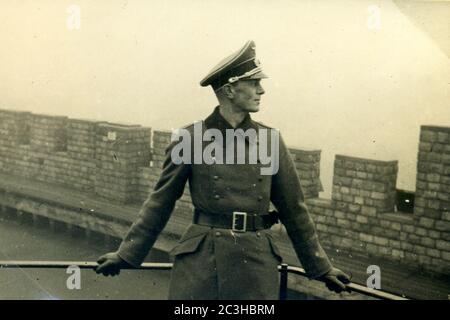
[[284, 270]]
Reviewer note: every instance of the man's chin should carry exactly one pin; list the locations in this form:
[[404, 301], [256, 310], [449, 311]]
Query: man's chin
[[254, 108]]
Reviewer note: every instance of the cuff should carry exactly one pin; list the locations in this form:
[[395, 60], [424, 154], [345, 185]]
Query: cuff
[[313, 258]]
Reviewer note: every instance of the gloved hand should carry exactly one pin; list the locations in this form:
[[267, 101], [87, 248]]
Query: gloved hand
[[110, 264], [335, 280]]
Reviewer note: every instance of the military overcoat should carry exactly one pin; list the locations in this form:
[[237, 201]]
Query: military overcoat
[[216, 263]]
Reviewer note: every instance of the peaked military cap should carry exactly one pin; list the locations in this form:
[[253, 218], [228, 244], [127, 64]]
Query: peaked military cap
[[240, 65]]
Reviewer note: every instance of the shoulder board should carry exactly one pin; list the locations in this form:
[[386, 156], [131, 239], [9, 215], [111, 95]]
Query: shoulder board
[[191, 125], [263, 125]]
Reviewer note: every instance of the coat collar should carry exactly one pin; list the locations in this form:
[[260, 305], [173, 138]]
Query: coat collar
[[217, 121]]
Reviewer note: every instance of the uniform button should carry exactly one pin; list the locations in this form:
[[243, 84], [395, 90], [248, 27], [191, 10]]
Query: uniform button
[[254, 185], [218, 234], [260, 198], [258, 234], [216, 177], [216, 196]]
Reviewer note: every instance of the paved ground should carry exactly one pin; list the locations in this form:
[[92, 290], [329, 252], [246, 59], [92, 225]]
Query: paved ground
[[20, 240]]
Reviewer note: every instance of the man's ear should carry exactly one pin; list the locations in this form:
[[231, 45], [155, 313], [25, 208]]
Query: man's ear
[[228, 90]]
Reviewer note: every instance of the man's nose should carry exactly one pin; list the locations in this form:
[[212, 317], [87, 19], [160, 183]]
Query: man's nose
[[260, 90]]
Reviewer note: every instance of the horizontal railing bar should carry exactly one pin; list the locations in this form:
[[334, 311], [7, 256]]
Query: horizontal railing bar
[[167, 266], [353, 287], [80, 264]]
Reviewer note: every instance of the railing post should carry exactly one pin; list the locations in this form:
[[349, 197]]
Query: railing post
[[283, 281]]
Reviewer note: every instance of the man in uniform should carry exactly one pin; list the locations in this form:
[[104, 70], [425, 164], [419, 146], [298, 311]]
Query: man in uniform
[[228, 252]]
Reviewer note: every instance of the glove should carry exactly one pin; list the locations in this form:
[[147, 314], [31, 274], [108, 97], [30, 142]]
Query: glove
[[336, 280], [110, 264]]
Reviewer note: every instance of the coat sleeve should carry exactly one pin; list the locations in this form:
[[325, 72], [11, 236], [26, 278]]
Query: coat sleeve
[[155, 211], [288, 198]]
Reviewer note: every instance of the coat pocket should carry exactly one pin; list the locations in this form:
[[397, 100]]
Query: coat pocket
[[189, 245], [274, 248]]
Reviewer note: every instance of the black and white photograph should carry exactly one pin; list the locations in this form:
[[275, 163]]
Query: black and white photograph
[[240, 151]]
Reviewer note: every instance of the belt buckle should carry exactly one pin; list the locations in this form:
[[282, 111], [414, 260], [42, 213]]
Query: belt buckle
[[237, 216]]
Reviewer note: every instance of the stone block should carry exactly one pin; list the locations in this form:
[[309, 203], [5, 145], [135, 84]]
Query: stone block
[[396, 226], [372, 248], [362, 219], [434, 234], [408, 228], [420, 250], [343, 223], [399, 254], [407, 246], [356, 208], [443, 226], [446, 255], [428, 242], [414, 239], [421, 232], [369, 211], [426, 222], [380, 241], [433, 253], [443, 245]]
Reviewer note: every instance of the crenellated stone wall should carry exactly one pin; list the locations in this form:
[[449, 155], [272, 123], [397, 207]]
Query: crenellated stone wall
[[121, 163]]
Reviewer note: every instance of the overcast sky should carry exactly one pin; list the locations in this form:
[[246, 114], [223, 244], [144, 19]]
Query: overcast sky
[[347, 77]]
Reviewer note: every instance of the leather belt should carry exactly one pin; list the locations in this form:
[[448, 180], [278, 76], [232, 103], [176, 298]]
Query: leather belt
[[237, 221]]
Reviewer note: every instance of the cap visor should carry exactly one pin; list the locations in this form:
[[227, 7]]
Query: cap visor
[[258, 75]]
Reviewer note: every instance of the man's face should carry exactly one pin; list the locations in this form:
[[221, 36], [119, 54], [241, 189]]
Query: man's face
[[248, 95]]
